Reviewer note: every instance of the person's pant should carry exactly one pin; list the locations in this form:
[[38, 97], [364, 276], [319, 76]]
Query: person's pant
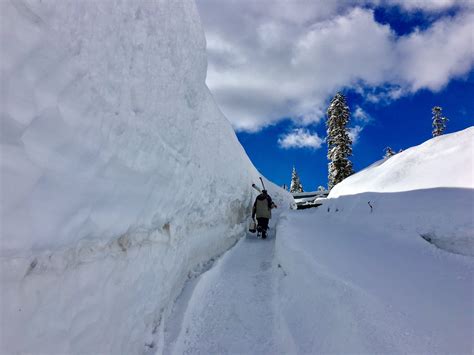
[[263, 225]]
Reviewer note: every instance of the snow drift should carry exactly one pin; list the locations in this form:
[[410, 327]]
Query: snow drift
[[369, 286], [427, 190], [118, 172]]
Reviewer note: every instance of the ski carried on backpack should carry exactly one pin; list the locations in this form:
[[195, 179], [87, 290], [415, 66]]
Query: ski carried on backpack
[[258, 188]]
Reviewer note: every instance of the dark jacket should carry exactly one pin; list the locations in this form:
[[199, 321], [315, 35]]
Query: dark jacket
[[262, 207]]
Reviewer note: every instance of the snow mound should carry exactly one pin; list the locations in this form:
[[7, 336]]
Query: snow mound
[[119, 174], [444, 161], [353, 282], [426, 191]]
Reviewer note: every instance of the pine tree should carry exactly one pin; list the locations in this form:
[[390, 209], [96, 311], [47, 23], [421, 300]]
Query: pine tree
[[439, 122], [388, 153], [295, 185], [338, 140]]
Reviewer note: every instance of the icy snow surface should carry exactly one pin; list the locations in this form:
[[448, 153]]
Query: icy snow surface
[[119, 174]]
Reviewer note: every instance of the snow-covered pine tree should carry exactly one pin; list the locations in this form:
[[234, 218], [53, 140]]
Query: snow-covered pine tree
[[338, 140], [439, 122], [388, 153], [295, 185]]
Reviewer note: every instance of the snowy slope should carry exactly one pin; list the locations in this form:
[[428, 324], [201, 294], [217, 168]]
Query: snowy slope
[[444, 161], [118, 172], [426, 191]]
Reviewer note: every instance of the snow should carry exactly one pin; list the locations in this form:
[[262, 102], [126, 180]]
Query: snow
[[121, 182], [444, 161], [352, 286], [119, 174], [341, 278], [426, 191], [229, 309]]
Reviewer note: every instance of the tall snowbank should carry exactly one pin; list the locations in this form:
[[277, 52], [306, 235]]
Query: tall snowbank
[[426, 191], [119, 174]]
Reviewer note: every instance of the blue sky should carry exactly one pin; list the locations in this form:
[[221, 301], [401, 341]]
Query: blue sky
[[274, 65]]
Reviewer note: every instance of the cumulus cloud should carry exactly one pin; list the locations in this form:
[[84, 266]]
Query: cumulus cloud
[[274, 59], [430, 58], [300, 138], [428, 5], [354, 133], [361, 115]]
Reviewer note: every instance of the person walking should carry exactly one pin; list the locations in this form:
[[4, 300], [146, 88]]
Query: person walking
[[262, 209]]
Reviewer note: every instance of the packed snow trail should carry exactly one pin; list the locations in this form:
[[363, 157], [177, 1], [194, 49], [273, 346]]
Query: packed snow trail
[[327, 284], [230, 307]]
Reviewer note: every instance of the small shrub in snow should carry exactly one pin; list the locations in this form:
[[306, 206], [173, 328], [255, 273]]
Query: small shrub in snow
[[388, 153]]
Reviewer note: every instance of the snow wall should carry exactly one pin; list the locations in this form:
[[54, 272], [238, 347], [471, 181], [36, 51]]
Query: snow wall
[[119, 174], [426, 191]]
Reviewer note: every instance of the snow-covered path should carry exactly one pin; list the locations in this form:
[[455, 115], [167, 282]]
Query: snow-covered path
[[327, 284], [230, 308]]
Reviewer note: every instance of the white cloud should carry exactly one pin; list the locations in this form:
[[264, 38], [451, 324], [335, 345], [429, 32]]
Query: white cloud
[[361, 115], [354, 133], [381, 94], [431, 58], [300, 138], [428, 5], [275, 59], [362, 118]]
